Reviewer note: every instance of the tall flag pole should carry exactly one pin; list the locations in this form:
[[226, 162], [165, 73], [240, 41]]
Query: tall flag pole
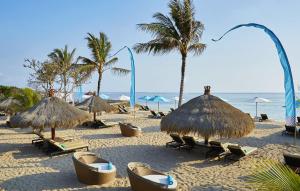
[[290, 102]]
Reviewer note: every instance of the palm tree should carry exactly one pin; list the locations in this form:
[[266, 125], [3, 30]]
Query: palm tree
[[101, 61], [178, 31], [65, 63]]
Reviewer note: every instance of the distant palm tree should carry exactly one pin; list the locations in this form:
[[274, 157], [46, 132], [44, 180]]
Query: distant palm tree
[[101, 60], [179, 32], [65, 62]]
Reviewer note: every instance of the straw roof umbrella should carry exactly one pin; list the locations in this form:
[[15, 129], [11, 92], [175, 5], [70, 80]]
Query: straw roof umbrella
[[10, 104], [95, 104], [208, 116], [50, 112]]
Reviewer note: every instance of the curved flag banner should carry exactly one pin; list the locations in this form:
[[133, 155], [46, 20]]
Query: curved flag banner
[[290, 112], [132, 86]]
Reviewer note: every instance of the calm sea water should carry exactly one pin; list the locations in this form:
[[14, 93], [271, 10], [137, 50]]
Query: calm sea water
[[243, 101]]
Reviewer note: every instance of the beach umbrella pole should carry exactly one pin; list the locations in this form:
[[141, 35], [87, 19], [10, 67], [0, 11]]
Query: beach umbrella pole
[[94, 116], [256, 109], [52, 133], [157, 106]]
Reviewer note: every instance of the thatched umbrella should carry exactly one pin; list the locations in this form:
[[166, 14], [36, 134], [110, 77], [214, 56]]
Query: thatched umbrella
[[208, 116], [50, 112], [10, 105], [95, 104]]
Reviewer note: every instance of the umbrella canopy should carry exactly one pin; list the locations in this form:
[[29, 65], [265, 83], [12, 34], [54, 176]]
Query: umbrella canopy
[[50, 112], [95, 104], [145, 98], [103, 96], [10, 104], [158, 99], [257, 100], [86, 96], [208, 116], [124, 98], [176, 98]]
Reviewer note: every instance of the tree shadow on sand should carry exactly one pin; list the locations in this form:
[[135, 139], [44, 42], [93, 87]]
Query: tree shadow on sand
[[151, 129], [52, 181], [102, 136], [261, 125], [211, 188], [158, 157]]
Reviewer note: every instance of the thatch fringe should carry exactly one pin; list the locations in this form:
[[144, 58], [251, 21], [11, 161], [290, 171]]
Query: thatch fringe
[[50, 112], [208, 116]]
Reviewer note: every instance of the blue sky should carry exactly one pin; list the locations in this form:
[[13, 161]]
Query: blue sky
[[244, 61]]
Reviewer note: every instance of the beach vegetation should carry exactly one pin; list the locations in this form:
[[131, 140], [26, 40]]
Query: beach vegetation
[[274, 176], [101, 60], [178, 31]]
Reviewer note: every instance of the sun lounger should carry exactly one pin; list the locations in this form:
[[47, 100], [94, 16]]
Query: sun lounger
[[161, 114], [93, 170], [298, 120], [263, 117], [128, 130], [290, 130], [57, 148], [177, 141], [103, 124], [293, 161], [217, 148], [154, 114], [144, 108], [122, 110], [143, 178], [190, 143], [240, 151]]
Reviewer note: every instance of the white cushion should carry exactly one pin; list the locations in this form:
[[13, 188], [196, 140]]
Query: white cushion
[[102, 167], [162, 179]]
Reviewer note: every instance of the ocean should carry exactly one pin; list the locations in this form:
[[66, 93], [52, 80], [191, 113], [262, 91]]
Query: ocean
[[243, 101]]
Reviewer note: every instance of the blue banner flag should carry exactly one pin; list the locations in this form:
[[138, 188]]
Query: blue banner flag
[[290, 112], [132, 84]]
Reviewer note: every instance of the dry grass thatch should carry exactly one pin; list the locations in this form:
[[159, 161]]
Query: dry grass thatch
[[10, 104], [208, 116], [95, 104], [50, 112]]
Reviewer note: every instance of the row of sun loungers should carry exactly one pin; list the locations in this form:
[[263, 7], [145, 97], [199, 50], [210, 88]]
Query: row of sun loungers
[[144, 108], [155, 115], [215, 148], [122, 109], [93, 170]]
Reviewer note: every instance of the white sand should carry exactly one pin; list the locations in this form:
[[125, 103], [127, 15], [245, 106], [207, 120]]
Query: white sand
[[25, 167]]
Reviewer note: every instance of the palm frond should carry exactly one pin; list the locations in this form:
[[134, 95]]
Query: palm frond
[[120, 71], [271, 176], [111, 62], [157, 46], [197, 48]]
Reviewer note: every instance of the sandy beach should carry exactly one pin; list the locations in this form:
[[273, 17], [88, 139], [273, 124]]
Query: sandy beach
[[25, 167]]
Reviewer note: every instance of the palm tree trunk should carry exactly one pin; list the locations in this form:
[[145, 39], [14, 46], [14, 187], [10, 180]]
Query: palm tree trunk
[[99, 82], [65, 88], [183, 59]]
